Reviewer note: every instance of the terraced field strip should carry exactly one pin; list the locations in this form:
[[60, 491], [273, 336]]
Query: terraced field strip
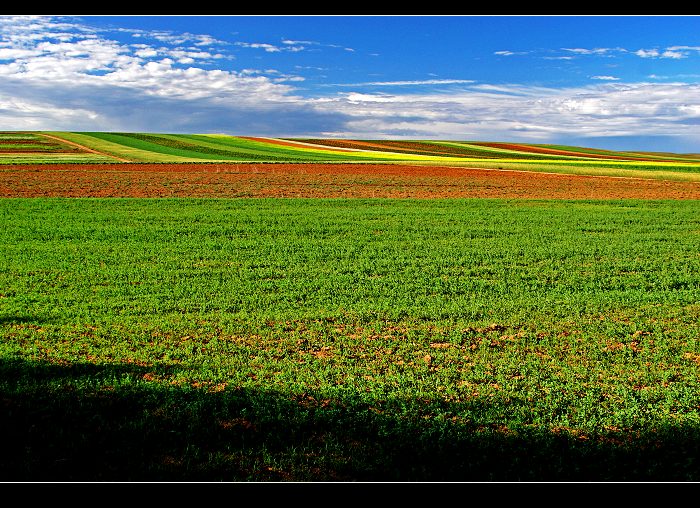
[[539, 150], [116, 146], [505, 153], [274, 148], [11, 143], [419, 147], [217, 148], [82, 147], [650, 156], [351, 154]]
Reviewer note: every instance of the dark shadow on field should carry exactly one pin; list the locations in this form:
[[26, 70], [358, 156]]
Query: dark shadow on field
[[86, 422], [17, 320]]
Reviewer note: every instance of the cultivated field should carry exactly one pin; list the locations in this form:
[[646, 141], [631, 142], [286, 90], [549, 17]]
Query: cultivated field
[[176, 320], [331, 180]]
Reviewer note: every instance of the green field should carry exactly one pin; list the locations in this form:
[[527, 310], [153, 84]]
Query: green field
[[392, 340], [113, 147]]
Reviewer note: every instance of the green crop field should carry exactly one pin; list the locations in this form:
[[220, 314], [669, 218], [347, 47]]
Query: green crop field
[[341, 340]]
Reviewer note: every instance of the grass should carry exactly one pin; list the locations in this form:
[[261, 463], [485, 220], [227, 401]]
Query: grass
[[394, 340]]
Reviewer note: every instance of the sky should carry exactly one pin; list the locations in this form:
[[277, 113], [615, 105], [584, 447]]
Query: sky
[[616, 82]]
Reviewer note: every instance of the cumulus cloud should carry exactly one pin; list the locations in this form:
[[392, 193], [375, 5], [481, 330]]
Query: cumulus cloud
[[108, 84], [673, 52], [647, 53]]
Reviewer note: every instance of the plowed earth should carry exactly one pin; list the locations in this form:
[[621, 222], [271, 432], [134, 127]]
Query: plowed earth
[[321, 181]]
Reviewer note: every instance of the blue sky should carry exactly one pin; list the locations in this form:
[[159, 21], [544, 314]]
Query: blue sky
[[611, 82]]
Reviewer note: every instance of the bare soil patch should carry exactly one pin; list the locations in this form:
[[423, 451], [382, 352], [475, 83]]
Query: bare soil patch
[[321, 181]]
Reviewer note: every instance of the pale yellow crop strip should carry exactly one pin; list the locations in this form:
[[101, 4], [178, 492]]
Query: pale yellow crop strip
[[134, 154], [359, 154], [506, 151], [571, 169]]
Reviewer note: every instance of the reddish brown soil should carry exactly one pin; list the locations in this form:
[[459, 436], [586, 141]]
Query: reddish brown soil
[[321, 180]]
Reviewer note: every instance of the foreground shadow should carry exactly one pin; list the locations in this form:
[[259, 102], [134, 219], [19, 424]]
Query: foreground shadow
[[83, 422]]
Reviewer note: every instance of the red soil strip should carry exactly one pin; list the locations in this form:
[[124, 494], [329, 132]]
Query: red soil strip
[[321, 181], [554, 151]]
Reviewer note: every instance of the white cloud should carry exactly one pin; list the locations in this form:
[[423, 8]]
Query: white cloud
[[606, 78], [409, 83], [594, 51], [647, 53], [683, 48], [300, 45], [34, 114], [15, 53], [270, 48], [287, 45], [171, 37], [146, 53], [673, 54], [510, 53], [40, 61], [310, 67], [296, 43], [525, 113]]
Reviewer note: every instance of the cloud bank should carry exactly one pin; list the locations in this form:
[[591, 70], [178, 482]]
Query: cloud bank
[[62, 74]]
